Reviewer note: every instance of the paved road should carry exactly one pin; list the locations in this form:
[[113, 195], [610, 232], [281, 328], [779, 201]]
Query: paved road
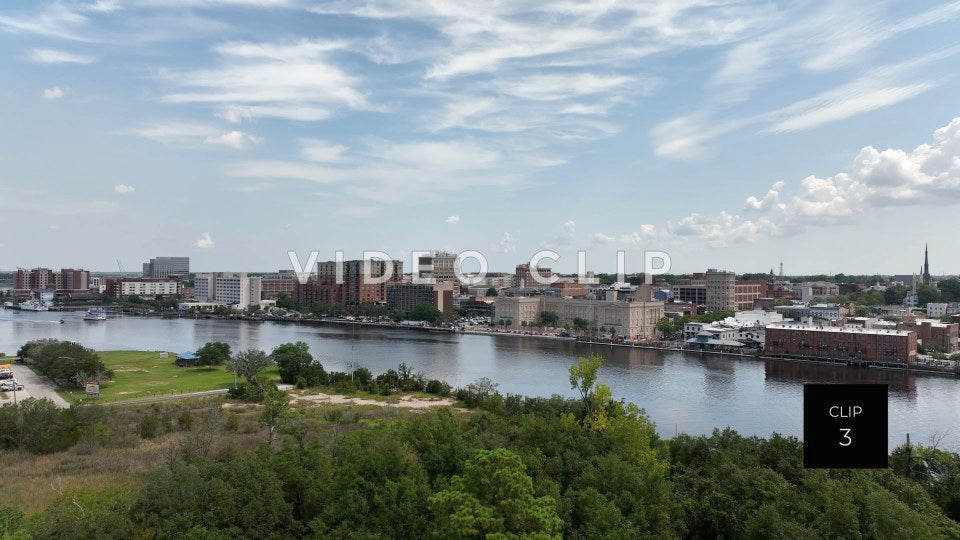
[[35, 386]]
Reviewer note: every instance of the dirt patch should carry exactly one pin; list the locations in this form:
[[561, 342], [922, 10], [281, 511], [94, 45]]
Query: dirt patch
[[406, 402]]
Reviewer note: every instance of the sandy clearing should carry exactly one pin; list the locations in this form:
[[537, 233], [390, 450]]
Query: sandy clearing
[[406, 402]]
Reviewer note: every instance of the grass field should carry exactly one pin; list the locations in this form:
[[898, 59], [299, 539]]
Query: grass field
[[143, 374]]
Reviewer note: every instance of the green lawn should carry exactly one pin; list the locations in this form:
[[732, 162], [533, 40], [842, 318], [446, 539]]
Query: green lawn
[[141, 374]]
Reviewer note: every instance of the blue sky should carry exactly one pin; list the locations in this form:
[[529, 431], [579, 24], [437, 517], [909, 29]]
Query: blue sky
[[729, 134]]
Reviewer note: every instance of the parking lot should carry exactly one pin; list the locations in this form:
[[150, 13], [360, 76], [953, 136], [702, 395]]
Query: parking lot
[[34, 386]]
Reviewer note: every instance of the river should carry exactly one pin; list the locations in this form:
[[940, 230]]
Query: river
[[684, 393]]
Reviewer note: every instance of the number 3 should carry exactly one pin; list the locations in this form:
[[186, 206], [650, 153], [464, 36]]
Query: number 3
[[846, 435]]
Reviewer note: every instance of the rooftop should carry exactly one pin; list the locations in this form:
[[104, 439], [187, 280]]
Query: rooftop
[[837, 329]]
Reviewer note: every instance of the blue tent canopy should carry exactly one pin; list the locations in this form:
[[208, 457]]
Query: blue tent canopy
[[187, 356]]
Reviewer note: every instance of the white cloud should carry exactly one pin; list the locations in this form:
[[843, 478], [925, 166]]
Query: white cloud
[[123, 188], [453, 220], [294, 81], [234, 139], [507, 244], [52, 56], [53, 93], [204, 242], [929, 175], [193, 135]]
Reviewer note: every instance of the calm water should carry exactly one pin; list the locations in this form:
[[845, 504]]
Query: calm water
[[684, 393]]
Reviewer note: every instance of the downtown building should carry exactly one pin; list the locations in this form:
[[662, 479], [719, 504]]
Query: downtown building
[[440, 266], [718, 290], [350, 283], [404, 296], [235, 289], [37, 279], [841, 343], [632, 320], [161, 267]]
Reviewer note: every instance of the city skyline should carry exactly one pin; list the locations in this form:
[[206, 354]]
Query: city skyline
[[703, 130]]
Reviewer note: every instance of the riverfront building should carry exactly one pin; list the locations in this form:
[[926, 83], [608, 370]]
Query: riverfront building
[[143, 287], [234, 289], [273, 285], [632, 320], [36, 279], [839, 343]]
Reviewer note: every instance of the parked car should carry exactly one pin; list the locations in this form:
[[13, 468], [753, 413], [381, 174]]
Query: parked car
[[9, 386]]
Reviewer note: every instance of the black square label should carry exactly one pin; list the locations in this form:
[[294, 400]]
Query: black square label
[[845, 426]]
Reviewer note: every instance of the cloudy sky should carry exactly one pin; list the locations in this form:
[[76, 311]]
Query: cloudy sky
[[729, 134]]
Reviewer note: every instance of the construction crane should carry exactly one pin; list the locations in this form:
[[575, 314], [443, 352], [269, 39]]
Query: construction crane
[[120, 267]]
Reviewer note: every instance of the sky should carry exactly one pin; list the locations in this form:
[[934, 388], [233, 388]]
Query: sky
[[734, 135]]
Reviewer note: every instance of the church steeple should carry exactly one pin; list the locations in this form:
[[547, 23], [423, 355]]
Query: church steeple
[[926, 264]]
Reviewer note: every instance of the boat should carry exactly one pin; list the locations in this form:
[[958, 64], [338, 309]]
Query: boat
[[95, 314], [33, 305]]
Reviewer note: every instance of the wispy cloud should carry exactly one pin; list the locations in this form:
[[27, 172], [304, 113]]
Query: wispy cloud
[[124, 188], [53, 56], [293, 81], [195, 135], [452, 220]]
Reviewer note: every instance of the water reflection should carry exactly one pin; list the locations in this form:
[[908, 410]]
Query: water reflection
[[801, 372]]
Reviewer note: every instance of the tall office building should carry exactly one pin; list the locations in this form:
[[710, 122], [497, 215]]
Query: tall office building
[[161, 267], [721, 290]]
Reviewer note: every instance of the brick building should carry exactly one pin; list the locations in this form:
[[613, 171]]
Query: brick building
[[933, 334], [838, 343]]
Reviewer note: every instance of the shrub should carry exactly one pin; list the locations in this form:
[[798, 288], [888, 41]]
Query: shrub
[[149, 426], [439, 388]]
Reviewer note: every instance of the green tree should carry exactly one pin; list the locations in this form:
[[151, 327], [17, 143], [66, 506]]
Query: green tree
[[492, 291], [292, 359], [424, 312], [248, 364], [213, 353], [548, 318], [665, 326], [65, 363], [494, 498], [949, 290], [926, 294], [286, 301]]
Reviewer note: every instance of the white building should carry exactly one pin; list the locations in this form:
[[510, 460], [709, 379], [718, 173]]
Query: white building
[[149, 287], [937, 309], [232, 289]]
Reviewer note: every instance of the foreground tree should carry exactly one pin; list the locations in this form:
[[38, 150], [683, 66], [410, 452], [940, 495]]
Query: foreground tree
[[248, 364], [494, 498], [293, 360]]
